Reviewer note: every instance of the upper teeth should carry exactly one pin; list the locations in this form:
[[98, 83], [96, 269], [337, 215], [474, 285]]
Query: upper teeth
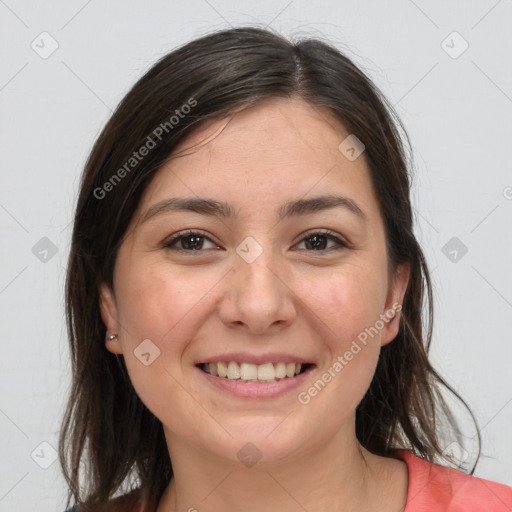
[[253, 372]]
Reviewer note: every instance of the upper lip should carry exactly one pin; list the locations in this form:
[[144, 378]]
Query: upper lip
[[257, 359]]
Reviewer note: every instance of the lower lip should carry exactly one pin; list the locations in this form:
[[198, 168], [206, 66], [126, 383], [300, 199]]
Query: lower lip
[[254, 389]]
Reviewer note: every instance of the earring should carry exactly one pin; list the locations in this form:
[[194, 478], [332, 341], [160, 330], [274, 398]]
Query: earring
[[112, 337]]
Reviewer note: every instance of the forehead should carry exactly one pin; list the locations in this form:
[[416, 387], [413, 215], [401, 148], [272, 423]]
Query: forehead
[[297, 124], [279, 149]]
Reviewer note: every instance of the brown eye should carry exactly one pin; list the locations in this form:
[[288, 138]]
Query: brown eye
[[189, 241], [317, 241], [193, 241]]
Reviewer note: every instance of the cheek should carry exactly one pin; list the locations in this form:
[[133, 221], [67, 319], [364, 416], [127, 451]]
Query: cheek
[[158, 305], [160, 308], [345, 301], [348, 304], [166, 308]]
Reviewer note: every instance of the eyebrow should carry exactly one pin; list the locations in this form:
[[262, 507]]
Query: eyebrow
[[211, 207]]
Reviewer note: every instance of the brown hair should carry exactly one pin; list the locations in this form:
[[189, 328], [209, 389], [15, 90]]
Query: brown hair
[[106, 427]]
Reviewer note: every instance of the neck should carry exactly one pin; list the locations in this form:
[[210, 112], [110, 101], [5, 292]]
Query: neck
[[339, 475]]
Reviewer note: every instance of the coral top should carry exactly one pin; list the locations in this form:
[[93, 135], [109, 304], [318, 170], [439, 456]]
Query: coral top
[[435, 488], [432, 488]]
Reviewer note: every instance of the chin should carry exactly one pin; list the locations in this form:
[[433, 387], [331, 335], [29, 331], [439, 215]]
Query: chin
[[268, 440]]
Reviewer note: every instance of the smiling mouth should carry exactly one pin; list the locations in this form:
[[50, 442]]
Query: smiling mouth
[[247, 372]]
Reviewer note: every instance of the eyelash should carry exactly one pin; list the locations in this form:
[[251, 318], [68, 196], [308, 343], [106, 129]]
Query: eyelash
[[330, 235]]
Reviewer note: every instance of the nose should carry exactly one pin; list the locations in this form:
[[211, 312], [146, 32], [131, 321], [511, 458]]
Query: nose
[[257, 296]]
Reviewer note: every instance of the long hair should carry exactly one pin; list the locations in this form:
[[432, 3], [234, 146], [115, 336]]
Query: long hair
[[109, 440]]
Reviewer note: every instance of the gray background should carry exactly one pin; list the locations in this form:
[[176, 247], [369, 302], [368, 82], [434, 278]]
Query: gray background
[[457, 110]]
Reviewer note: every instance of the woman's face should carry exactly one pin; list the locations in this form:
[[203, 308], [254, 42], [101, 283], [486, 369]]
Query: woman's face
[[262, 285]]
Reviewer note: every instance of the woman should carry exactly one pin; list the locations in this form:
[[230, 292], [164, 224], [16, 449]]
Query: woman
[[245, 297]]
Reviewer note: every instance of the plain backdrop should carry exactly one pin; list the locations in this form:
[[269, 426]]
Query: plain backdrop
[[445, 66]]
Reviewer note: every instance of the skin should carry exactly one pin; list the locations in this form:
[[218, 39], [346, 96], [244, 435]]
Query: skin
[[291, 299]]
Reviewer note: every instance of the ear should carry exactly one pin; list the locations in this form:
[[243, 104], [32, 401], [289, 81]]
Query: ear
[[108, 310], [394, 300]]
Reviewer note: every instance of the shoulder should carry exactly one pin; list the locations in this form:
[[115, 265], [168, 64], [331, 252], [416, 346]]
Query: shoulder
[[131, 502], [437, 488]]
